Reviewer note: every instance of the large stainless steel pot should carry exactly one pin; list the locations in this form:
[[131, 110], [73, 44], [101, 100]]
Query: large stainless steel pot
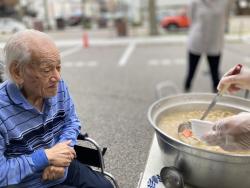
[[200, 167]]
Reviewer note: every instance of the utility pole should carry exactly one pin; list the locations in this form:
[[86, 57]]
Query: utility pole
[[152, 17], [46, 14], [20, 11], [83, 12], [230, 6]]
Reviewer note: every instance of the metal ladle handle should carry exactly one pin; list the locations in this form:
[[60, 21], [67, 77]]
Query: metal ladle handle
[[235, 71]]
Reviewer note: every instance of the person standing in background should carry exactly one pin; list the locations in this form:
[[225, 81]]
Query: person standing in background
[[206, 36]]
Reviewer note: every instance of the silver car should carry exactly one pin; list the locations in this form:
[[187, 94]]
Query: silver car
[[10, 25]]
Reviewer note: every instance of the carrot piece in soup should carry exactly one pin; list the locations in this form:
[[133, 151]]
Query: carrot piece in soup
[[187, 133]]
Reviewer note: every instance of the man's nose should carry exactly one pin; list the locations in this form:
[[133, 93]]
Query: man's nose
[[56, 76]]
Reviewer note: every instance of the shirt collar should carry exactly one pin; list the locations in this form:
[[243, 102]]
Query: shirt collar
[[17, 97]]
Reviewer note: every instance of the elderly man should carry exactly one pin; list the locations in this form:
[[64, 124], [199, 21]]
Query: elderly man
[[38, 122]]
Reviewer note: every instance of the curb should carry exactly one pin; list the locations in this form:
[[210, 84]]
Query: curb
[[140, 40]]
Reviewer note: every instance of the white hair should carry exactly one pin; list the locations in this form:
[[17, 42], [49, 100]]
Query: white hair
[[18, 48]]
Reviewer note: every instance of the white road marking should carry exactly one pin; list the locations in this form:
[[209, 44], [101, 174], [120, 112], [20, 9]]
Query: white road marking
[[166, 62], [127, 54], [78, 64], [70, 51], [67, 64], [179, 61], [153, 62], [92, 63]]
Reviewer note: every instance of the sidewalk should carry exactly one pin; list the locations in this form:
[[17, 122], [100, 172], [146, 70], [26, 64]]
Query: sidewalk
[[110, 41], [239, 30], [238, 25]]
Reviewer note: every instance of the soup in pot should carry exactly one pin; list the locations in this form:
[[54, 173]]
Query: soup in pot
[[170, 121]]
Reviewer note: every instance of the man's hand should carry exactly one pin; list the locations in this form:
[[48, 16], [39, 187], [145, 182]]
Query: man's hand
[[61, 154], [53, 173]]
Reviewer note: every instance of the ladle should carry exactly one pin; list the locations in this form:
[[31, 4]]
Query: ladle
[[188, 125]]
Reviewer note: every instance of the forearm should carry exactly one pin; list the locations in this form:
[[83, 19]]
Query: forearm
[[14, 170], [70, 132], [71, 127]]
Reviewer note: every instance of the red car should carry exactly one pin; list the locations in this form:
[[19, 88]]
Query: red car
[[173, 23]]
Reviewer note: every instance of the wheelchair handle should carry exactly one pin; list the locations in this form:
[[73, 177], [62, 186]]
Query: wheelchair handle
[[82, 136]]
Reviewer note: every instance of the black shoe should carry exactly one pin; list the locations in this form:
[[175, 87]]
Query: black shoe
[[187, 90], [215, 90], [187, 87]]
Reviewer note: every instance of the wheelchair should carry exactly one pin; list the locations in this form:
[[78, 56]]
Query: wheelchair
[[93, 156]]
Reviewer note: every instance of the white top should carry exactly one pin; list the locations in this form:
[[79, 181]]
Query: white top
[[208, 19]]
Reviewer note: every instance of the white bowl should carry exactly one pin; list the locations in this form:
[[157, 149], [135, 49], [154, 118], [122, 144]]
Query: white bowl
[[200, 127]]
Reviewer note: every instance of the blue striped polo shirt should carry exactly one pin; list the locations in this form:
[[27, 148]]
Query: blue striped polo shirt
[[25, 133]]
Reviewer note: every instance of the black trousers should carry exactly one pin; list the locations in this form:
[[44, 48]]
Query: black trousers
[[193, 60], [82, 176]]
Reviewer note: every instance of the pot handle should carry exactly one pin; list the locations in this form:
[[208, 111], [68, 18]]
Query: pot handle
[[166, 88], [171, 177]]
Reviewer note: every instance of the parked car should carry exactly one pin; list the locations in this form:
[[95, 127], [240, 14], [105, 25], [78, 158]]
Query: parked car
[[10, 25], [74, 20], [175, 22], [78, 19]]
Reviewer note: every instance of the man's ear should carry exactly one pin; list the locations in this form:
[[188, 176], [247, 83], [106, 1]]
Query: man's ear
[[16, 73]]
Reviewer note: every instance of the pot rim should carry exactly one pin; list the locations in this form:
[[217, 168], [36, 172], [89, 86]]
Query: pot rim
[[190, 147]]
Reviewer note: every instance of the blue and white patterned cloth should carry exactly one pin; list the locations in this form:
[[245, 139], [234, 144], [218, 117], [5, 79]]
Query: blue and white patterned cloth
[[154, 181]]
